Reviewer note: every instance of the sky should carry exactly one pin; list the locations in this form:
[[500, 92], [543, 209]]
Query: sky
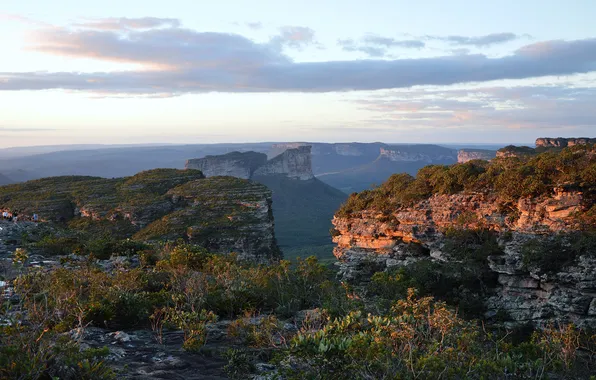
[[196, 71]]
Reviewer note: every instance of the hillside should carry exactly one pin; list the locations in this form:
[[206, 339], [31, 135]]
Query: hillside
[[223, 214]]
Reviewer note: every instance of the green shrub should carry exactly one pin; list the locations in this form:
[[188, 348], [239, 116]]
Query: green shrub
[[508, 178]]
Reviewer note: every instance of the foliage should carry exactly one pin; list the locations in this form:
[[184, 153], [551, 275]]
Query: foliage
[[192, 323], [508, 178], [550, 255], [423, 339], [30, 352]]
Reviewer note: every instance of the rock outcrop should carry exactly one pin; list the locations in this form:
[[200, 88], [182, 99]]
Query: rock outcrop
[[292, 163], [234, 164], [370, 241], [398, 154], [560, 142], [223, 214], [542, 252], [465, 155]]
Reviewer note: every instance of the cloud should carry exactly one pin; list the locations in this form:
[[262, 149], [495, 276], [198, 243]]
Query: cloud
[[254, 25], [377, 46], [392, 42], [177, 61], [479, 41], [296, 37], [525, 107], [123, 23]]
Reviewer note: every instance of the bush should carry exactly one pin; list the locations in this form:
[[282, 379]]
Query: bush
[[508, 178]]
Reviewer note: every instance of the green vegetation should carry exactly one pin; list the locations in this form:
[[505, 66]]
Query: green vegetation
[[557, 251], [383, 331], [508, 178], [155, 205], [423, 339]]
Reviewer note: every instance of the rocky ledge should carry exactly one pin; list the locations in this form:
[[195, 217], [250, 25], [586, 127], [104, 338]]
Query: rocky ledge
[[371, 241]]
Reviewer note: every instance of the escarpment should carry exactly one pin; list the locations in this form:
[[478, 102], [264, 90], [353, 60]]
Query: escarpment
[[523, 229], [235, 164], [223, 214], [465, 155], [294, 163], [560, 142]]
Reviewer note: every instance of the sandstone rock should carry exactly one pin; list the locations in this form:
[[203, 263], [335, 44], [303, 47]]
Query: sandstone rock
[[235, 164], [561, 142], [293, 163], [366, 242], [399, 155], [465, 155]]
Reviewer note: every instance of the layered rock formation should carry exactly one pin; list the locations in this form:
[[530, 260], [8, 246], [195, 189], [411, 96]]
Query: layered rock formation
[[560, 142], [403, 154], [223, 214], [465, 155], [292, 163], [368, 240], [234, 164]]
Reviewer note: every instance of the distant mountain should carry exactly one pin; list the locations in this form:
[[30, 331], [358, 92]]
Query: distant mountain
[[113, 161]]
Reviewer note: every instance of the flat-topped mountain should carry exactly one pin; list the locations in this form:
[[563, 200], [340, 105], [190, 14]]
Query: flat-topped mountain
[[223, 214], [516, 234], [235, 164], [465, 155], [293, 163]]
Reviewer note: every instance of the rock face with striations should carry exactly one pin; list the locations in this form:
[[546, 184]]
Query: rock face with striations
[[292, 163], [405, 154], [465, 155], [235, 164], [369, 240], [560, 142]]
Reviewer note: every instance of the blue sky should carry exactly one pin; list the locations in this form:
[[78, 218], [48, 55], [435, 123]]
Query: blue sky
[[232, 71]]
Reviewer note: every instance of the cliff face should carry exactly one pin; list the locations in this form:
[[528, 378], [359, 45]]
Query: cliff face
[[369, 241], [465, 155], [561, 142], [398, 154], [292, 163], [523, 237], [235, 164], [223, 214]]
